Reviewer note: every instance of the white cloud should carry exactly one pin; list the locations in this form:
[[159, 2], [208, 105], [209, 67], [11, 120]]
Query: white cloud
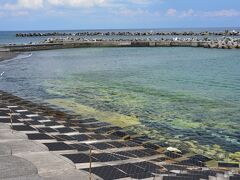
[[8, 6], [77, 3], [17, 13], [222, 13], [140, 1], [23, 4], [171, 12], [117, 7], [188, 13], [130, 12], [20, 13], [194, 13], [37, 4], [30, 4]]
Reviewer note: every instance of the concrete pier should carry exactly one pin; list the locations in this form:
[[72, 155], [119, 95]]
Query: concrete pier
[[88, 44], [64, 44]]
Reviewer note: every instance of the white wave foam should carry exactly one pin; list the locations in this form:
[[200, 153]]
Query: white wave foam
[[22, 56]]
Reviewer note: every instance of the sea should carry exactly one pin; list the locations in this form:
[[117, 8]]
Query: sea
[[187, 98]]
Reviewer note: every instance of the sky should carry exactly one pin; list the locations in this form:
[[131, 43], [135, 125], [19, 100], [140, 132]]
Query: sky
[[117, 14]]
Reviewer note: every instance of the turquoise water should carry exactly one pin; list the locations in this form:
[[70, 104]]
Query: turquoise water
[[184, 97]]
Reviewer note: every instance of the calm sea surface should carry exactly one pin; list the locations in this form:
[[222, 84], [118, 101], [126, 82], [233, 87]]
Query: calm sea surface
[[184, 97]]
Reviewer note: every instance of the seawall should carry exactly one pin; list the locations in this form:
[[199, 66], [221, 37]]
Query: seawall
[[88, 44]]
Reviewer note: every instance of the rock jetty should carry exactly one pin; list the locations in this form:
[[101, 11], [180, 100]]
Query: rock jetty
[[131, 33], [58, 40]]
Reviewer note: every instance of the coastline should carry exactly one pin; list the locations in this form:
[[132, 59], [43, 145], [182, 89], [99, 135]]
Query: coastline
[[84, 109], [182, 161], [69, 121]]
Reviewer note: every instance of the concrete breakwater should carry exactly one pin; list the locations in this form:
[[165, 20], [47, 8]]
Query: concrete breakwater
[[129, 33], [62, 45], [87, 44]]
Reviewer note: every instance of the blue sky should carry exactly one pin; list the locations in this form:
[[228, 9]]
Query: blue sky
[[117, 14]]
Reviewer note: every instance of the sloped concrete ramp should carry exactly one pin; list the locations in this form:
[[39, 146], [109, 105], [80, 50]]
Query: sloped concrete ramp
[[16, 167]]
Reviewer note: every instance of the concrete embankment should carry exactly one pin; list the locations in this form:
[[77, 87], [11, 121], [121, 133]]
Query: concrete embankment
[[39, 142], [48, 46]]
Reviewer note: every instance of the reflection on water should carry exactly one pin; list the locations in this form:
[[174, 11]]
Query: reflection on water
[[184, 97]]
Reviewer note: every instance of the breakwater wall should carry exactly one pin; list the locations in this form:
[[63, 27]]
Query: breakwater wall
[[131, 33], [65, 45]]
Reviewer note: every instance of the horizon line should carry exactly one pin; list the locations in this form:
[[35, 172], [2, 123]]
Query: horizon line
[[91, 29]]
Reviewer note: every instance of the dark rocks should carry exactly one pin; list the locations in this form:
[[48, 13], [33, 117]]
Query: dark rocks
[[228, 165], [131, 33]]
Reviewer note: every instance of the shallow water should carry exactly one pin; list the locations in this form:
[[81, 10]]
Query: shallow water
[[184, 97]]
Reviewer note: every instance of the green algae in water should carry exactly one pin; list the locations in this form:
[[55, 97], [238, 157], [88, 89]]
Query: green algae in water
[[176, 124], [86, 112], [173, 95], [186, 124]]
